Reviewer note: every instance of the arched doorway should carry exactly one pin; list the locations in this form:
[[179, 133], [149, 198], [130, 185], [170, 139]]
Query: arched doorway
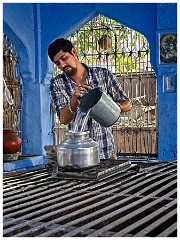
[[125, 52]]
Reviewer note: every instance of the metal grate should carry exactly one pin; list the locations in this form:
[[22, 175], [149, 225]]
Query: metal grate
[[140, 202]]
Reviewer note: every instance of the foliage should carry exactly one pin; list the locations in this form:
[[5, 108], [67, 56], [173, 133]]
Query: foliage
[[129, 48], [129, 52]]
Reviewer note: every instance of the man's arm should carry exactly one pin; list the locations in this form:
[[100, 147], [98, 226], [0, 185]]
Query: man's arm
[[67, 113]]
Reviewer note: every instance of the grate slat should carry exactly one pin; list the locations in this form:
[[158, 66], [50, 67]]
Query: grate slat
[[170, 230], [156, 224]]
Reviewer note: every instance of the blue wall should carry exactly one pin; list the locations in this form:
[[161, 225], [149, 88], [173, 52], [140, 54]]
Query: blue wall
[[167, 101], [44, 22]]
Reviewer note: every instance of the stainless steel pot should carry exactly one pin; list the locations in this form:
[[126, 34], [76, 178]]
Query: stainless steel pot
[[78, 151], [103, 109]]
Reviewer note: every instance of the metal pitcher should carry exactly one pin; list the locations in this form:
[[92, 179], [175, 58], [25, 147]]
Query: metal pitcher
[[103, 109], [78, 151]]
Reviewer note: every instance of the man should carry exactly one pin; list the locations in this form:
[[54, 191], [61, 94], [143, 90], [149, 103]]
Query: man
[[68, 88]]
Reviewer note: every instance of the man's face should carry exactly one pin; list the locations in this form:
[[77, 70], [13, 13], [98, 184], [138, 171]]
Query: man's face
[[67, 62]]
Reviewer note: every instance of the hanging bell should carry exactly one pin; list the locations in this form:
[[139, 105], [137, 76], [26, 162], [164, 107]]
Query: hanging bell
[[105, 42]]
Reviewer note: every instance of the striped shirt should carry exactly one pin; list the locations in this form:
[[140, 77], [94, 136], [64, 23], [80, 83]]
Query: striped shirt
[[61, 90]]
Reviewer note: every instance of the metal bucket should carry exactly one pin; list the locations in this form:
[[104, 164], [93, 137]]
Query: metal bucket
[[103, 109], [78, 151]]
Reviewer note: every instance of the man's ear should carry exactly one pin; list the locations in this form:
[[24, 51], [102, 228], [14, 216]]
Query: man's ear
[[74, 52]]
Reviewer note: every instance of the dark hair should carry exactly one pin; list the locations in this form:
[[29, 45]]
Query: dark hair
[[58, 45]]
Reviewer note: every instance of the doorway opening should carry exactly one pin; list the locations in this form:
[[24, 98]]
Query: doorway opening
[[103, 42]]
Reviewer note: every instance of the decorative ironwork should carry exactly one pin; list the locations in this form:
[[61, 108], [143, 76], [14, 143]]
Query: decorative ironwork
[[11, 86]]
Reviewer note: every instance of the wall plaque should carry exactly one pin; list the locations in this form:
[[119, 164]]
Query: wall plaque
[[168, 48]]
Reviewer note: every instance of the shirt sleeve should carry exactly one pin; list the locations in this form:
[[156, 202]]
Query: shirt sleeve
[[59, 98]]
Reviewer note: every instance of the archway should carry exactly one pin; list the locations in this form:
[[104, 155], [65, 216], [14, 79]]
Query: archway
[[125, 52]]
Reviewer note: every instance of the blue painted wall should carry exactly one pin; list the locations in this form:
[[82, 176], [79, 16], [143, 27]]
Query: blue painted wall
[[167, 101], [44, 22]]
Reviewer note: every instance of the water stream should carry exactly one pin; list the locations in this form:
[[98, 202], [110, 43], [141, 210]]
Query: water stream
[[78, 118], [85, 120]]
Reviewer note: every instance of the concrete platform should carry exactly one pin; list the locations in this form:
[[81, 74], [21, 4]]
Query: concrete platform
[[25, 163]]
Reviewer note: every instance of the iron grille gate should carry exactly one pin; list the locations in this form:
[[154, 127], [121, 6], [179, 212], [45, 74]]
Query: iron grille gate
[[140, 202], [125, 52], [11, 86]]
